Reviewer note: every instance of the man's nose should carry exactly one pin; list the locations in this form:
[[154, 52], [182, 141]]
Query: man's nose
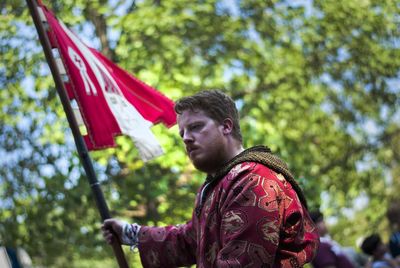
[[187, 137]]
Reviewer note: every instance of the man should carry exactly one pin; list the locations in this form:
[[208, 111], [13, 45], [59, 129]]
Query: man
[[380, 256], [393, 215], [330, 253], [250, 212]]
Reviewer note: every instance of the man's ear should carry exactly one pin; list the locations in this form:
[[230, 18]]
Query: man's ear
[[227, 125]]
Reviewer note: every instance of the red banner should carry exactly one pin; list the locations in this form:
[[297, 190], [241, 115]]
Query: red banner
[[111, 101]]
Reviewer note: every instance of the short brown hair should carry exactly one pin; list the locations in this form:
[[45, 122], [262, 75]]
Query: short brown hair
[[370, 244], [215, 104]]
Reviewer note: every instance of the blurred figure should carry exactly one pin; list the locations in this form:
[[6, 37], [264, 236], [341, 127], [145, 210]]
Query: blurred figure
[[393, 215], [330, 253], [14, 258], [374, 247]]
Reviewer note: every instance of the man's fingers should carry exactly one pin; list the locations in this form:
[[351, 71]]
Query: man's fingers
[[108, 223], [108, 232], [110, 238], [112, 230], [106, 227], [108, 235]]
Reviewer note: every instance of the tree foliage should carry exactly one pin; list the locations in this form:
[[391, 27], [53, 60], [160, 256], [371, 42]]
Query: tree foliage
[[316, 81]]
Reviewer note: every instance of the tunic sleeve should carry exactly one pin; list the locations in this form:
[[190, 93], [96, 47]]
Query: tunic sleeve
[[170, 246]]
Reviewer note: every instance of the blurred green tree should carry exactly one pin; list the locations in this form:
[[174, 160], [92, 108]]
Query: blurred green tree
[[317, 81]]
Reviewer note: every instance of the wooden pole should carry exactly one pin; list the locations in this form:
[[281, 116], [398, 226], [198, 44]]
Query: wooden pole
[[79, 142]]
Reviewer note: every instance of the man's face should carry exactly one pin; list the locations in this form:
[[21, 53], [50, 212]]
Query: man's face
[[321, 227], [204, 140], [380, 250]]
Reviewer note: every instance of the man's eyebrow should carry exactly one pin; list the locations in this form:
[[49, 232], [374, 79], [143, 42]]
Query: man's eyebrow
[[196, 122]]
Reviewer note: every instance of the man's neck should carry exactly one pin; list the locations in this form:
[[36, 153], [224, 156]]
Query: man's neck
[[233, 153]]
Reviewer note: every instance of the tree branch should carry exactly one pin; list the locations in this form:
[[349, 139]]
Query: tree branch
[[100, 24]]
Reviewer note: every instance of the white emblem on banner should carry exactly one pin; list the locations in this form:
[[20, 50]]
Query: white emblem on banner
[[80, 64]]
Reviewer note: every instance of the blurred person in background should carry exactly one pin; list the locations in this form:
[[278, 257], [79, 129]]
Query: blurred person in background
[[379, 253], [14, 258], [393, 215], [331, 254]]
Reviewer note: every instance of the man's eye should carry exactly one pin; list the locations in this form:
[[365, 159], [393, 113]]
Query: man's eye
[[195, 127]]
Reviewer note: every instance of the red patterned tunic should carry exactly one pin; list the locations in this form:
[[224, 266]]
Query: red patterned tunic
[[251, 218]]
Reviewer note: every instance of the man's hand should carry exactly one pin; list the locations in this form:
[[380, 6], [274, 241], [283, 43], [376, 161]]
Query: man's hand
[[125, 233], [112, 229]]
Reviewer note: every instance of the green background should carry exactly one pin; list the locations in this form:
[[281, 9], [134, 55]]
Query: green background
[[316, 81]]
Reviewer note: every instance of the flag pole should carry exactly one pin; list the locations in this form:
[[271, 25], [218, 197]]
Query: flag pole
[[79, 142]]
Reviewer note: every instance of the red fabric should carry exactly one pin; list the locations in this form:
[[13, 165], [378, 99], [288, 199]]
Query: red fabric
[[149, 102], [251, 218], [85, 87]]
